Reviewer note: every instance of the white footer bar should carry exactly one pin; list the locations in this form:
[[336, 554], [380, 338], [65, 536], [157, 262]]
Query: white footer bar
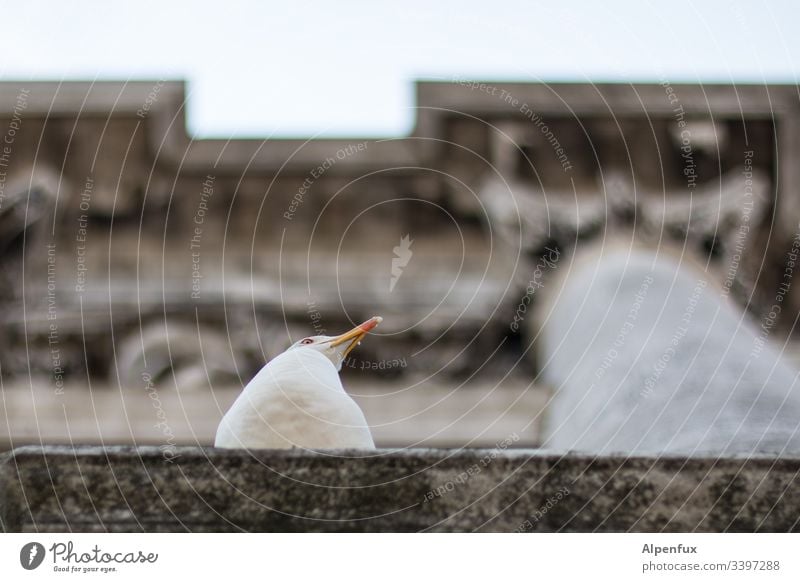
[[406, 557]]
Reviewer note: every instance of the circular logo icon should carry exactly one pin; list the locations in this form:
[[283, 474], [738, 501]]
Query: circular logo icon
[[31, 555]]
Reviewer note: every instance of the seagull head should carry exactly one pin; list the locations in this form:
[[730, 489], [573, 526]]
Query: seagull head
[[336, 348]]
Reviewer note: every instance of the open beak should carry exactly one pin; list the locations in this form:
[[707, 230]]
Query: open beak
[[352, 338]]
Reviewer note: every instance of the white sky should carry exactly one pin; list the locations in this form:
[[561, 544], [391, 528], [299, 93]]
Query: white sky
[[346, 68]]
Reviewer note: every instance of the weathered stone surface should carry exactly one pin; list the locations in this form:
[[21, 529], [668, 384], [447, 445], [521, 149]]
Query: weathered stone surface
[[137, 489]]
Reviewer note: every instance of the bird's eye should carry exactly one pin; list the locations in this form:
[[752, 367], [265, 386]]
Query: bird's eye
[[307, 341]]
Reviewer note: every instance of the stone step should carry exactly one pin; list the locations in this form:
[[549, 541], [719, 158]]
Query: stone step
[[400, 413]]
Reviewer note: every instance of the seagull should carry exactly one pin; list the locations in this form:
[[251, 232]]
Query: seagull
[[297, 400]]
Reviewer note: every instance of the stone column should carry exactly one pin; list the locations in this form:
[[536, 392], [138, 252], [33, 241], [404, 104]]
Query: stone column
[[646, 354]]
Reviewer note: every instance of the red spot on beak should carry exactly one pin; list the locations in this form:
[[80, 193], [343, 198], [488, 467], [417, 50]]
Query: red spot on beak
[[370, 324]]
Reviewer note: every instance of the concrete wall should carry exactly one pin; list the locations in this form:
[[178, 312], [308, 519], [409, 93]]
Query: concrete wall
[[58, 489]]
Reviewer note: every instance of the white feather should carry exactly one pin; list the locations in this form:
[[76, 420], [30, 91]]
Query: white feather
[[296, 400]]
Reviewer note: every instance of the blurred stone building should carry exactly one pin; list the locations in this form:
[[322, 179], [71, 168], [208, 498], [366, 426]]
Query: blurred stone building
[[146, 276]]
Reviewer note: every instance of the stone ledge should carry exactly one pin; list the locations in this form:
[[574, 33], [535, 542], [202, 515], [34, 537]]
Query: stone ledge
[[54, 489]]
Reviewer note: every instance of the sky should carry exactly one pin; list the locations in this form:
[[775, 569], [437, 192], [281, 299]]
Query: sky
[[297, 69]]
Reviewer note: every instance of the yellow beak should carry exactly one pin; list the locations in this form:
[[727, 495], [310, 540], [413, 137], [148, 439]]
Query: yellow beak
[[355, 335]]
